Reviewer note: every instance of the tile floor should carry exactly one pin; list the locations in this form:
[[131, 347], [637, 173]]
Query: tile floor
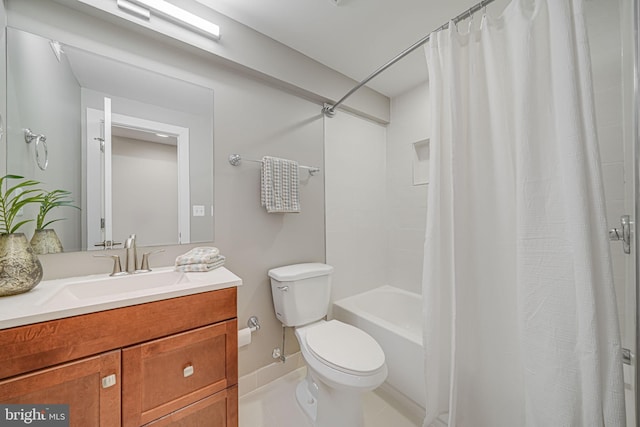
[[274, 405]]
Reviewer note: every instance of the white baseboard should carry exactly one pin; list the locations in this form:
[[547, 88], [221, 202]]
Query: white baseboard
[[405, 405], [266, 374]]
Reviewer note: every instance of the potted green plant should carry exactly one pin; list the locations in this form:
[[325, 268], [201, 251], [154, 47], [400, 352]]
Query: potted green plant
[[45, 240], [20, 268]]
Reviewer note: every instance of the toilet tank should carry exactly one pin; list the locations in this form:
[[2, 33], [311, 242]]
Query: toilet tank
[[301, 292]]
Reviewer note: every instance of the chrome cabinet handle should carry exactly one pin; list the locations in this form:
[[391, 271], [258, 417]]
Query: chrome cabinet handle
[[188, 371], [109, 381]]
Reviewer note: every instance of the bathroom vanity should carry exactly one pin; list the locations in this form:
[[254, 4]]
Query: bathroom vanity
[[153, 356]]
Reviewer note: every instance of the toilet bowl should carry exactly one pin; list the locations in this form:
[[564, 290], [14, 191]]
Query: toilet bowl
[[342, 355], [342, 361]]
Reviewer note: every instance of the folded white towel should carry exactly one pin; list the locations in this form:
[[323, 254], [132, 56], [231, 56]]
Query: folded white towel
[[279, 185], [201, 267], [201, 255]]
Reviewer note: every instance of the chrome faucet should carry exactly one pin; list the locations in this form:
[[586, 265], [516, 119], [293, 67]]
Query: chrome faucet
[[131, 257]]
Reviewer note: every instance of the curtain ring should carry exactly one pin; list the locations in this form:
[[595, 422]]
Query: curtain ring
[[483, 6]]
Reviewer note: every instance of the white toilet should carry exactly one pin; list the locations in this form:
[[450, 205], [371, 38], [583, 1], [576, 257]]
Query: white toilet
[[342, 360]]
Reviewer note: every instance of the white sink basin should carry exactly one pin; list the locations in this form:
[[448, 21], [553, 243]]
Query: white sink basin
[[72, 296], [100, 287], [125, 284]]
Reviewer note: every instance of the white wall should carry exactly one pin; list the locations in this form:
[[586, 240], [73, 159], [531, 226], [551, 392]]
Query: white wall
[[356, 204], [145, 179], [410, 115]]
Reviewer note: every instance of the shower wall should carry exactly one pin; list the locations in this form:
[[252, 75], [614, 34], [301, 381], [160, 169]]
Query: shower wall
[[375, 215], [610, 31], [410, 123], [355, 203], [605, 39], [407, 200]]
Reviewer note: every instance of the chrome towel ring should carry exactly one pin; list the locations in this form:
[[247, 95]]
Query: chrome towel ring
[[40, 140]]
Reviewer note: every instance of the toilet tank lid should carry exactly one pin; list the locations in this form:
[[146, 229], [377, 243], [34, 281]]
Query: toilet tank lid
[[289, 273]]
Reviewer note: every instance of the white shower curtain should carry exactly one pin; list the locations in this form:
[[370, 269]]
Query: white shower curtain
[[520, 318]]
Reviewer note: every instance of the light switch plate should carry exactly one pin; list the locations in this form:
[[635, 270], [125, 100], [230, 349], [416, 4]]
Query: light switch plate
[[198, 210]]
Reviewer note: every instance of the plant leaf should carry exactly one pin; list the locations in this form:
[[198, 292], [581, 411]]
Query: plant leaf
[[50, 200], [12, 200]]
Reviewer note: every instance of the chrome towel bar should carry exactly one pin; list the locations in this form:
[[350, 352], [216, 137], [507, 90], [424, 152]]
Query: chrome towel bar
[[235, 159]]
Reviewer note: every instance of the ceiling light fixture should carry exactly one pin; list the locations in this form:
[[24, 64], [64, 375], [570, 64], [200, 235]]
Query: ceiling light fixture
[[181, 16], [134, 9]]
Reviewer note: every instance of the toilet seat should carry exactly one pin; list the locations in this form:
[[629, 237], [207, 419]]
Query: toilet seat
[[345, 348]]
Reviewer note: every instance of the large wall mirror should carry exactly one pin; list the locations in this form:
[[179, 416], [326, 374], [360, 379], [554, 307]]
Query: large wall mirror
[[134, 147]]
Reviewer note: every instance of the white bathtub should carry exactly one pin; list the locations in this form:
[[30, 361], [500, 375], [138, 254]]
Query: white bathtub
[[393, 317]]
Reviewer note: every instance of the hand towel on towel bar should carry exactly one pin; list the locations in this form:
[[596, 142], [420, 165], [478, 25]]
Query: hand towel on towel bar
[[279, 185]]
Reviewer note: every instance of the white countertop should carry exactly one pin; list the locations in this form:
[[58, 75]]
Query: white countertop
[[56, 299]]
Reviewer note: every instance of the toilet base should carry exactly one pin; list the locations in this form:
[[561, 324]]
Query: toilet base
[[307, 397], [327, 406]]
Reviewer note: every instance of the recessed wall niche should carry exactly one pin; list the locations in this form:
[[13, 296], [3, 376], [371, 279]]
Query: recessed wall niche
[[421, 162]]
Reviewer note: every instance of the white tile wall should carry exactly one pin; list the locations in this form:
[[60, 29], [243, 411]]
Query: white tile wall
[[407, 202], [356, 204], [604, 24]]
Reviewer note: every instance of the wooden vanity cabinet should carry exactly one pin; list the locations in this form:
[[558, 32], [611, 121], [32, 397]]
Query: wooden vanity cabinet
[[162, 376], [174, 363], [76, 384], [214, 410]]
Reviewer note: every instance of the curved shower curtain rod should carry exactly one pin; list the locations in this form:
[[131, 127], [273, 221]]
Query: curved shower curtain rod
[[330, 110]]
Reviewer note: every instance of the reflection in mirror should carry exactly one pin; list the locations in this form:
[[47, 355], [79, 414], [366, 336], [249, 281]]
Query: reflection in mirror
[[157, 180], [141, 166], [145, 169]]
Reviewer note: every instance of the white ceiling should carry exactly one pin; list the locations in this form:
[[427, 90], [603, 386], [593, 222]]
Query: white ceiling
[[354, 37]]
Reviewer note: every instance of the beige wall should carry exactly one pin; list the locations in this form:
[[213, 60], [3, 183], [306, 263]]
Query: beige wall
[[251, 118], [48, 104], [246, 49]]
